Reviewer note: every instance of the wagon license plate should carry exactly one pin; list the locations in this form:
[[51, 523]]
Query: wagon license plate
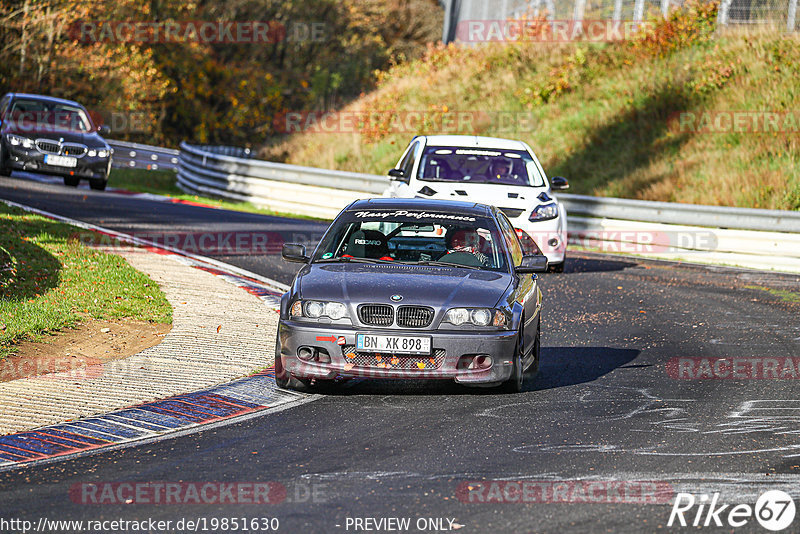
[[60, 161], [393, 344]]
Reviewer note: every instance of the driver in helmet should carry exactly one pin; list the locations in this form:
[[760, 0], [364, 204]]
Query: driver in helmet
[[500, 169]]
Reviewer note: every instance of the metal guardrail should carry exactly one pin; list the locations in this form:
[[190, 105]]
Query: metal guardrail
[[137, 156], [224, 150], [763, 239], [226, 169], [687, 214]]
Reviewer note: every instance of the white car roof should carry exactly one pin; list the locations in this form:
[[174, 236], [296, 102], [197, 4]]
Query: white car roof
[[474, 141]]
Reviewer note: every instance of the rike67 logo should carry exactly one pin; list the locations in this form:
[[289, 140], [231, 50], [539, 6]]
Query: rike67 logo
[[774, 510]]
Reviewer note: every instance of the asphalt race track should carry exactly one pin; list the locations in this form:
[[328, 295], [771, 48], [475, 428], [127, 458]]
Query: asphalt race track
[[612, 405]]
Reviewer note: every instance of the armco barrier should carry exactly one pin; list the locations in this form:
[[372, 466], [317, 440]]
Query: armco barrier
[[763, 239], [136, 156], [290, 188]]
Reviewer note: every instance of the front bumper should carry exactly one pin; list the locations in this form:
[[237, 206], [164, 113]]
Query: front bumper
[[33, 161], [448, 349]]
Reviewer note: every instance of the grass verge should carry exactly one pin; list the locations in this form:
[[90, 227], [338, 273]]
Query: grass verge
[[784, 295], [49, 281], [164, 183]]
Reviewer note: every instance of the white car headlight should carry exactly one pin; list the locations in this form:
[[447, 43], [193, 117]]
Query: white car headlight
[[457, 316], [92, 153], [18, 140], [480, 317], [544, 212], [103, 153], [314, 309], [475, 316], [335, 310]]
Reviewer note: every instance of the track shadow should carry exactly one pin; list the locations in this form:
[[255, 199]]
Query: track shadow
[[26, 269], [588, 264], [568, 366], [631, 140]]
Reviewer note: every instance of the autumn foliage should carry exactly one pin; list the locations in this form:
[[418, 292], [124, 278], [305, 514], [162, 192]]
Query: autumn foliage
[[210, 92]]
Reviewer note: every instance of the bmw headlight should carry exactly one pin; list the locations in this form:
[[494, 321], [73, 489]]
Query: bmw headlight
[[475, 317], [18, 140], [314, 309], [544, 212], [97, 152]]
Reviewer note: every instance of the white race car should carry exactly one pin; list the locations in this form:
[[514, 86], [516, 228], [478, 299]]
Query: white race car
[[488, 170]]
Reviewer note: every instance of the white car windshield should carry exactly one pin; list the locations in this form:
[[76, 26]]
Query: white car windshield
[[479, 165]]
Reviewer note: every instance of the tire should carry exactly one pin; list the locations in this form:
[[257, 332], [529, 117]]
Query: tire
[[5, 168], [98, 184], [537, 347], [557, 267], [515, 382], [284, 379], [71, 181]]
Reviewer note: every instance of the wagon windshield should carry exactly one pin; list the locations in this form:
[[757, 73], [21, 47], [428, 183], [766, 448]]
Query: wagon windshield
[[41, 114], [414, 237], [479, 165]]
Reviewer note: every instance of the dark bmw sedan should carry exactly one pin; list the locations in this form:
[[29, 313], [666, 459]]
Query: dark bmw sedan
[[52, 136], [416, 289]]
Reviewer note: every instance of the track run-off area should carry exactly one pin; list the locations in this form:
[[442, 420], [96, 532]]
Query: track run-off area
[[656, 379]]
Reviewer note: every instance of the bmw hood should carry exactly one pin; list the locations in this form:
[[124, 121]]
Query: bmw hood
[[438, 287]]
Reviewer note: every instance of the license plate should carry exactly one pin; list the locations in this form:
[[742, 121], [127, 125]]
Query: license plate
[[60, 161], [393, 344]]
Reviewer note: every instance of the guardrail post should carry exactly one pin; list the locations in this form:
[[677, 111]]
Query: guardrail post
[[664, 8], [617, 10], [722, 16], [579, 10], [790, 16], [638, 13]]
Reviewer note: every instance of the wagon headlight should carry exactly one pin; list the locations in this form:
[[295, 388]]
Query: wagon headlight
[[544, 212], [18, 140], [314, 309], [476, 317]]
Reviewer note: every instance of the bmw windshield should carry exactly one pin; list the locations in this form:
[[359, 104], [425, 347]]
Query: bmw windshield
[[415, 237], [45, 115], [479, 165]]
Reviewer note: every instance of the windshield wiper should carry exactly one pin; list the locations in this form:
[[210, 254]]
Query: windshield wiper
[[352, 260], [444, 264]]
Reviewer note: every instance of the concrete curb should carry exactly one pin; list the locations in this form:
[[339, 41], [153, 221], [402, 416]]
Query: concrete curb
[[220, 333]]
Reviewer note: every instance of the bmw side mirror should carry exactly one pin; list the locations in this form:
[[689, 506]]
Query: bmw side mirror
[[559, 182], [294, 253], [398, 174], [532, 264], [103, 129]]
